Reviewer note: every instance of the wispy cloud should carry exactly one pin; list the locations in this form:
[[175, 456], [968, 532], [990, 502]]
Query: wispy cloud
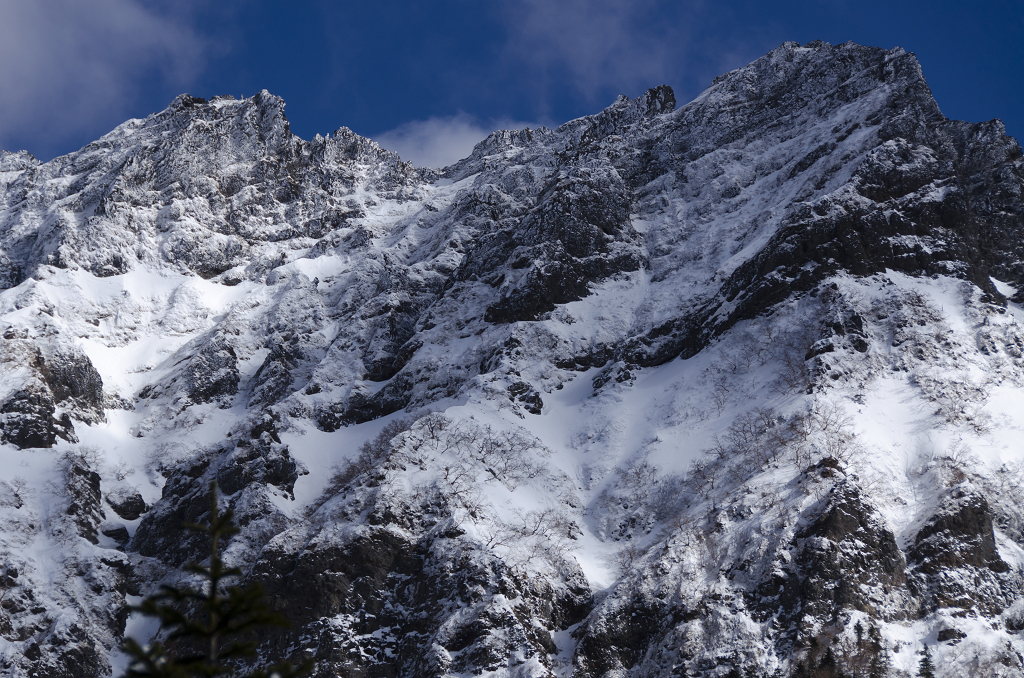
[[600, 48], [66, 64], [597, 43], [441, 141]]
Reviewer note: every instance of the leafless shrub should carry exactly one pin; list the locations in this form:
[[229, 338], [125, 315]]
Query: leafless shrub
[[457, 438], [1010, 477], [628, 556], [756, 343], [958, 462], [122, 471], [794, 435], [668, 497], [12, 492], [457, 476], [790, 350], [793, 374], [373, 454], [836, 427], [761, 438], [457, 482], [703, 475], [830, 417], [505, 455], [767, 335], [827, 430], [642, 496], [771, 498], [711, 551], [729, 362], [720, 392], [82, 455], [433, 425], [958, 401], [680, 524], [532, 535], [756, 439], [73, 465], [640, 477]]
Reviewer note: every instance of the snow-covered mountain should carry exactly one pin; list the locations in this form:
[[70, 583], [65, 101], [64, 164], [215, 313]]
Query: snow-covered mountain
[[734, 388]]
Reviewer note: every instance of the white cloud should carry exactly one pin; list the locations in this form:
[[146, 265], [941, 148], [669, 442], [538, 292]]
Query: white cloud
[[67, 64], [439, 142], [599, 43]]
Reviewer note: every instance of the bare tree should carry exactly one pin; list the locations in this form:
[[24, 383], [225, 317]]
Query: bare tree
[[504, 455], [628, 556]]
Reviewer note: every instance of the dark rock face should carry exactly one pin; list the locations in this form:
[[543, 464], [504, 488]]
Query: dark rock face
[[213, 373], [273, 380], [391, 323], [843, 559], [579, 233], [62, 377], [918, 151], [809, 165], [72, 377], [242, 473], [548, 237], [69, 653], [954, 557], [129, 505], [848, 560], [29, 421], [828, 158], [183, 500], [182, 161], [616, 642], [117, 532], [527, 395], [82, 486], [379, 603], [260, 461], [73, 638], [395, 396], [959, 534]]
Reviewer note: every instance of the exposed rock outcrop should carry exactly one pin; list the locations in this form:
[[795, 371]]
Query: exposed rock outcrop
[[653, 333]]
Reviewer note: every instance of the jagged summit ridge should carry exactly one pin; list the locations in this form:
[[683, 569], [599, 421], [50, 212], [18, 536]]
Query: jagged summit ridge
[[194, 187], [711, 384]]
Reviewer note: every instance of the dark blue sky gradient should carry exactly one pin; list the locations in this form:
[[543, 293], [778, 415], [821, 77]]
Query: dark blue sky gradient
[[376, 66]]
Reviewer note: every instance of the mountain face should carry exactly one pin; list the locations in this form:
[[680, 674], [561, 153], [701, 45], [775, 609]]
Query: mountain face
[[732, 388]]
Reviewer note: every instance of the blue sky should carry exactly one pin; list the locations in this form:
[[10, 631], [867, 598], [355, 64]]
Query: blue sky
[[430, 78]]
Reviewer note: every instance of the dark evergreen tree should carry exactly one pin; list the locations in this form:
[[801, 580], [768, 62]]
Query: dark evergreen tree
[[734, 672], [828, 660], [880, 664], [204, 628], [874, 634], [925, 669]]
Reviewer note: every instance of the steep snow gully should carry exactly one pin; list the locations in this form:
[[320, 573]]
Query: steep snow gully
[[728, 389]]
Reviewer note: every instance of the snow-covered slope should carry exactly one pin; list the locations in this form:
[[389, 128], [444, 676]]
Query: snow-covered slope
[[663, 391]]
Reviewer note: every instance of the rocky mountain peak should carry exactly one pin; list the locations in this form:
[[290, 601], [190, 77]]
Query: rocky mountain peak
[[16, 162], [696, 390]]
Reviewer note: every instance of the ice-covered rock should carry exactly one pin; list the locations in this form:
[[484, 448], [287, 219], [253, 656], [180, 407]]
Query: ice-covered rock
[[732, 386]]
